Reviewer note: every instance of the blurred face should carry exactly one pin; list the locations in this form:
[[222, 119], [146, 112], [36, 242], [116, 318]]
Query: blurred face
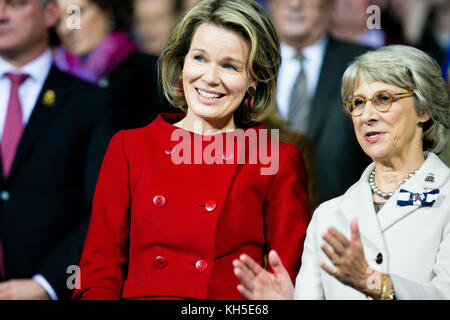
[[215, 74], [350, 13], [24, 26], [94, 26], [154, 20], [300, 20], [390, 135]]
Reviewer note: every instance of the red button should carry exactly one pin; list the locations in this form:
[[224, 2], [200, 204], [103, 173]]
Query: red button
[[210, 205], [201, 265], [159, 201], [160, 262]]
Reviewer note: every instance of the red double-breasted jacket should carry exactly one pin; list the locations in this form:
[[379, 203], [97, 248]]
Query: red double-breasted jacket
[[165, 230]]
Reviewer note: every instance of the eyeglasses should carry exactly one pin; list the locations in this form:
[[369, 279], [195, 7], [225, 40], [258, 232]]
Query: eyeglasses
[[381, 101]]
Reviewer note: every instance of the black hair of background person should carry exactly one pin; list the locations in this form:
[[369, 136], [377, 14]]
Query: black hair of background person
[[121, 12]]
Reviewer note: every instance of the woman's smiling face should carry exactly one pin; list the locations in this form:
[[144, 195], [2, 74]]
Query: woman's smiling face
[[215, 73]]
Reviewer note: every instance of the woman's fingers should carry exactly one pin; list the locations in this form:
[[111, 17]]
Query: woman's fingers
[[276, 263], [356, 237], [247, 294], [330, 254], [336, 240], [251, 264], [332, 271], [244, 274]]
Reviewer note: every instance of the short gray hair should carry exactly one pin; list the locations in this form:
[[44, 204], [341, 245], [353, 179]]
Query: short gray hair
[[412, 69]]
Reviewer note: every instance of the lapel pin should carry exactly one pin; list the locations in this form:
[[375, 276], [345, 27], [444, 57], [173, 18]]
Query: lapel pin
[[103, 83], [429, 178], [49, 98]]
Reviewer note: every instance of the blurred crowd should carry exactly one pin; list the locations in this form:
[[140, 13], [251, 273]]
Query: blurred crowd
[[108, 25]]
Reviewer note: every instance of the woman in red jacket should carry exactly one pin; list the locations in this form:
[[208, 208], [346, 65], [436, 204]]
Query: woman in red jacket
[[178, 200]]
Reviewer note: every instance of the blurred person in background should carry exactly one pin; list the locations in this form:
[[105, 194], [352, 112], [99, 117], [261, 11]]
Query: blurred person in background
[[100, 51], [424, 24], [54, 130], [308, 93], [153, 22], [188, 4], [349, 23]]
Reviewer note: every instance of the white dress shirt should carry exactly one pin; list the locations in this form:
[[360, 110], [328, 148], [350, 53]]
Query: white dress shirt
[[29, 91], [290, 68]]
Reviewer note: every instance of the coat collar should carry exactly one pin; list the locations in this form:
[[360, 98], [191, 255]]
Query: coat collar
[[391, 213], [357, 201]]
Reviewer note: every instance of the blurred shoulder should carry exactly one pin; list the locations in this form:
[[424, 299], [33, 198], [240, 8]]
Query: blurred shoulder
[[347, 49]]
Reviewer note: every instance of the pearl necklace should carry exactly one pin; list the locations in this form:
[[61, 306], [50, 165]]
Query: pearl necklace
[[382, 194]]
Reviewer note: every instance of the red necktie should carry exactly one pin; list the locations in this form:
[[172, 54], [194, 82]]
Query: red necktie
[[13, 128], [12, 133]]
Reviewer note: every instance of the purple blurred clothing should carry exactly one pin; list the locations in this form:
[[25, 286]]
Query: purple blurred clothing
[[116, 47]]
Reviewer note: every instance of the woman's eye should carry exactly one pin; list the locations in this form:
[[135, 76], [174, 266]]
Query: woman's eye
[[230, 67], [199, 58], [384, 97], [358, 102]]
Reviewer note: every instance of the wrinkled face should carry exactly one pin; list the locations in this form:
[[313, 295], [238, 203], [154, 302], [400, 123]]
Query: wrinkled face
[[396, 133], [300, 20], [154, 20], [215, 73], [24, 25], [93, 28]]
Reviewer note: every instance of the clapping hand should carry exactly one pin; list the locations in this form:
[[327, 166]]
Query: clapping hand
[[349, 264], [259, 284]]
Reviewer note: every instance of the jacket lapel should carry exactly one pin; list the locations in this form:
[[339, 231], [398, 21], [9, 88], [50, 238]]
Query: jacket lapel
[[391, 213], [327, 86], [50, 100], [358, 203]]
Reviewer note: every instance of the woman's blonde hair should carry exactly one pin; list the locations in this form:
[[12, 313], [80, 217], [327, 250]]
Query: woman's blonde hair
[[412, 69], [247, 18]]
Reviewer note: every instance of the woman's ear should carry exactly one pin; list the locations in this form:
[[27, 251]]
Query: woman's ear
[[424, 118]]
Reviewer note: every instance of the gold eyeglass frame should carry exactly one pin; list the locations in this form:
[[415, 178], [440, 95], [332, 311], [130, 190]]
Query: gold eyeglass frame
[[393, 97]]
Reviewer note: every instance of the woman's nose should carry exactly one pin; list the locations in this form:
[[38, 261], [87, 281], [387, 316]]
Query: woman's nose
[[369, 112], [212, 74]]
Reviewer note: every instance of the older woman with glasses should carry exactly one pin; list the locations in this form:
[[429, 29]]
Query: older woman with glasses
[[388, 236]]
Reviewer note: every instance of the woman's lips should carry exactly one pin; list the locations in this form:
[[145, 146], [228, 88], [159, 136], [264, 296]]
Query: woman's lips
[[373, 137], [208, 97]]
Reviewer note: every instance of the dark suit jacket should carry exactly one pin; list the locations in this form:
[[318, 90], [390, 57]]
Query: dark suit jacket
[[340, 159], [45, 202], [135, 91], [333, 158]]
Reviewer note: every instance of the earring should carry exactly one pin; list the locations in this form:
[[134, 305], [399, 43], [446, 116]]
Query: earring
[[250, 100], [251, 91]]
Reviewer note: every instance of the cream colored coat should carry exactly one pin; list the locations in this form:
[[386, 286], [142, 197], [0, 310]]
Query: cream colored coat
[[414, 241]]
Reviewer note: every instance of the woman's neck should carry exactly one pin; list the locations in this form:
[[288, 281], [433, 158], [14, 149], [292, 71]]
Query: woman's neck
[[390, 174], [204, 127]]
